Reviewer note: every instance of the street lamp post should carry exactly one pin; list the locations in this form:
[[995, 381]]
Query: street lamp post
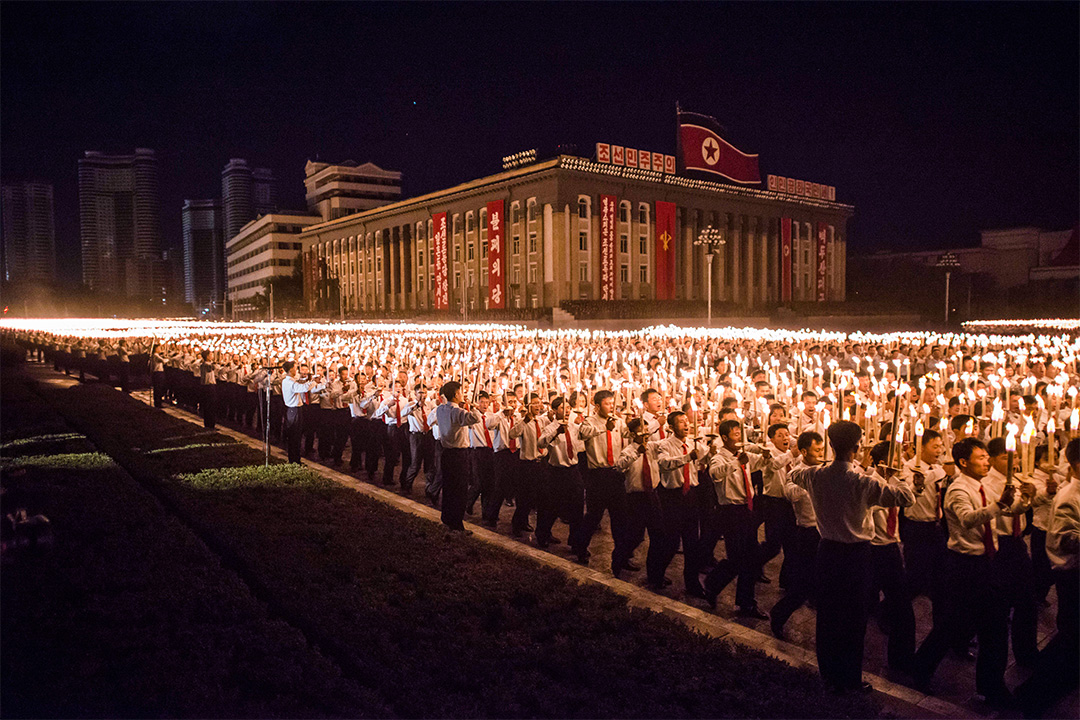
[[949, 262], [711, 239]]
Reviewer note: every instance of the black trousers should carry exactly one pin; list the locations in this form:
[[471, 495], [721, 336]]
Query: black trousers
[[433, 481], [359, 441], [527, 481], [778, 517], [422, 450], [504, 464], [277, 416], [293, 431], [209, 406], [971, 597], [888, 580], [311, 416], [157, 381], [1058, 665], [560, 497], [1018, 586], [843, 575], [1040, 563], [455, 472], [924, 543], [392, 452], [642, 514], [340, 422], [605, 490], [680, 522], [801, 575], [740, 542], [377, 448], [482, 482]]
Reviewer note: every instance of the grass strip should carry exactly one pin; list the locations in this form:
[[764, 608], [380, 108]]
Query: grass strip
[[441, 625], [127, 613]]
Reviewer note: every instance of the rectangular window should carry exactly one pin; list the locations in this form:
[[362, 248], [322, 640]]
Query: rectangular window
[[516, 245], [378, 263], [471, 251], [583, 240], [431, 256], [643, 214], [624, 274], [457, 280], [517, 275], [624, 244], [532, 242], [583, 272], [483, 248], [643, 245], [457, 252], [532, 273], [643, 274], [420, 283]]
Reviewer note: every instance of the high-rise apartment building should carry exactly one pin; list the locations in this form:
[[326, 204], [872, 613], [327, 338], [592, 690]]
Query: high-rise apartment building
[[334, 191], [28, 233], [204, 255], [119, 219], [246, 194]]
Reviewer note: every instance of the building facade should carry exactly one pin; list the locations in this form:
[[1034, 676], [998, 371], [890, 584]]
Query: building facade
[[246, 193], [119, 218], [334, 191], [573, 229], [28, 232], [266, 247], [204, 256]]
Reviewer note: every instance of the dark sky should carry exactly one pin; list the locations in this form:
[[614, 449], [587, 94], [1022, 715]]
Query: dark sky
[[934, 120]]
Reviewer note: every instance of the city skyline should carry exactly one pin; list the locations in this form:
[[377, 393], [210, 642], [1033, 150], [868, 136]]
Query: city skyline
[[933, 121]]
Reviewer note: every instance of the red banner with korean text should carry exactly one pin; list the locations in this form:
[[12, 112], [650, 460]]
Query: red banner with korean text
[[665, 250], [441, 272], [608, 204], [822, 261], [496, 265], [785, 260]]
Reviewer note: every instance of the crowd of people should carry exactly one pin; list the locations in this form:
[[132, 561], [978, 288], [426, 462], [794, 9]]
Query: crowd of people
[[879, 467]]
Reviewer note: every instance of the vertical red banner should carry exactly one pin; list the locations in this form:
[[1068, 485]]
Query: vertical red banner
[[496, 266], [607, 247], [822, 261], [665, 250], [441, 281], [785, 260]]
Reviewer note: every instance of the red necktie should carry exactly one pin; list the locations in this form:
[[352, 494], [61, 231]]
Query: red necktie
[[397, 412], [487, 435], [661, 429], [539, 452], [610, 451], [423, 419], [307, 398], [1016, 526], [746, 488], [513, 445], [685, 474], [890, 524], [569, 446], [988, 533]]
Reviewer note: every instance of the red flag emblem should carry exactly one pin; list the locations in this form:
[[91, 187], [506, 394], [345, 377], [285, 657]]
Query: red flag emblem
[[704, 150]]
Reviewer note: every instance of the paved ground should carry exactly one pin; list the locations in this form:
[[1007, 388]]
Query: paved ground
[[954, 681]]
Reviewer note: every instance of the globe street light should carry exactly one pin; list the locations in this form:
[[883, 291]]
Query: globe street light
[[950, 263], [711, 239]]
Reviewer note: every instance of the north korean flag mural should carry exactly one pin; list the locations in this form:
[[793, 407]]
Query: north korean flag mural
[[702, 149], [665, 250]]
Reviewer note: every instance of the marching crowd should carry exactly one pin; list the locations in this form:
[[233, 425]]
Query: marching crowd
[[879, 467]]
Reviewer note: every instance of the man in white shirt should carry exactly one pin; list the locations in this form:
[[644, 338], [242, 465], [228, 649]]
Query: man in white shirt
[[972, 590], [774, 509], [652, 412], [454, 436], [810, 448], [292, 391], [391, 413], [730, 470], [530, 468], [920, 524], [561, 495], [421, 441], [481, 451], [638, 464], [208, 399], [605, 437], [679, 458], [1058, 665], [842, 496], [505, 459]]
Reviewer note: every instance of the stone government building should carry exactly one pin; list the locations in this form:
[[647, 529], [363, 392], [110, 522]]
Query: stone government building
[[551, 247]]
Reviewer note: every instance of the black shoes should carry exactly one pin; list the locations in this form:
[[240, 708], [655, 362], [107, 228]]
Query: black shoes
[[751, 611]]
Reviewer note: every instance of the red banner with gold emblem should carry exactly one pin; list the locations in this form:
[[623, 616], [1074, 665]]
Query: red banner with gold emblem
[[822, 261], [665, 250], [607, 247], [496, 266], [441, 271], [785, 260]]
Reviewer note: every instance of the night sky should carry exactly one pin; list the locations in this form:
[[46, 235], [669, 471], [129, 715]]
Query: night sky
[[933, 120]]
